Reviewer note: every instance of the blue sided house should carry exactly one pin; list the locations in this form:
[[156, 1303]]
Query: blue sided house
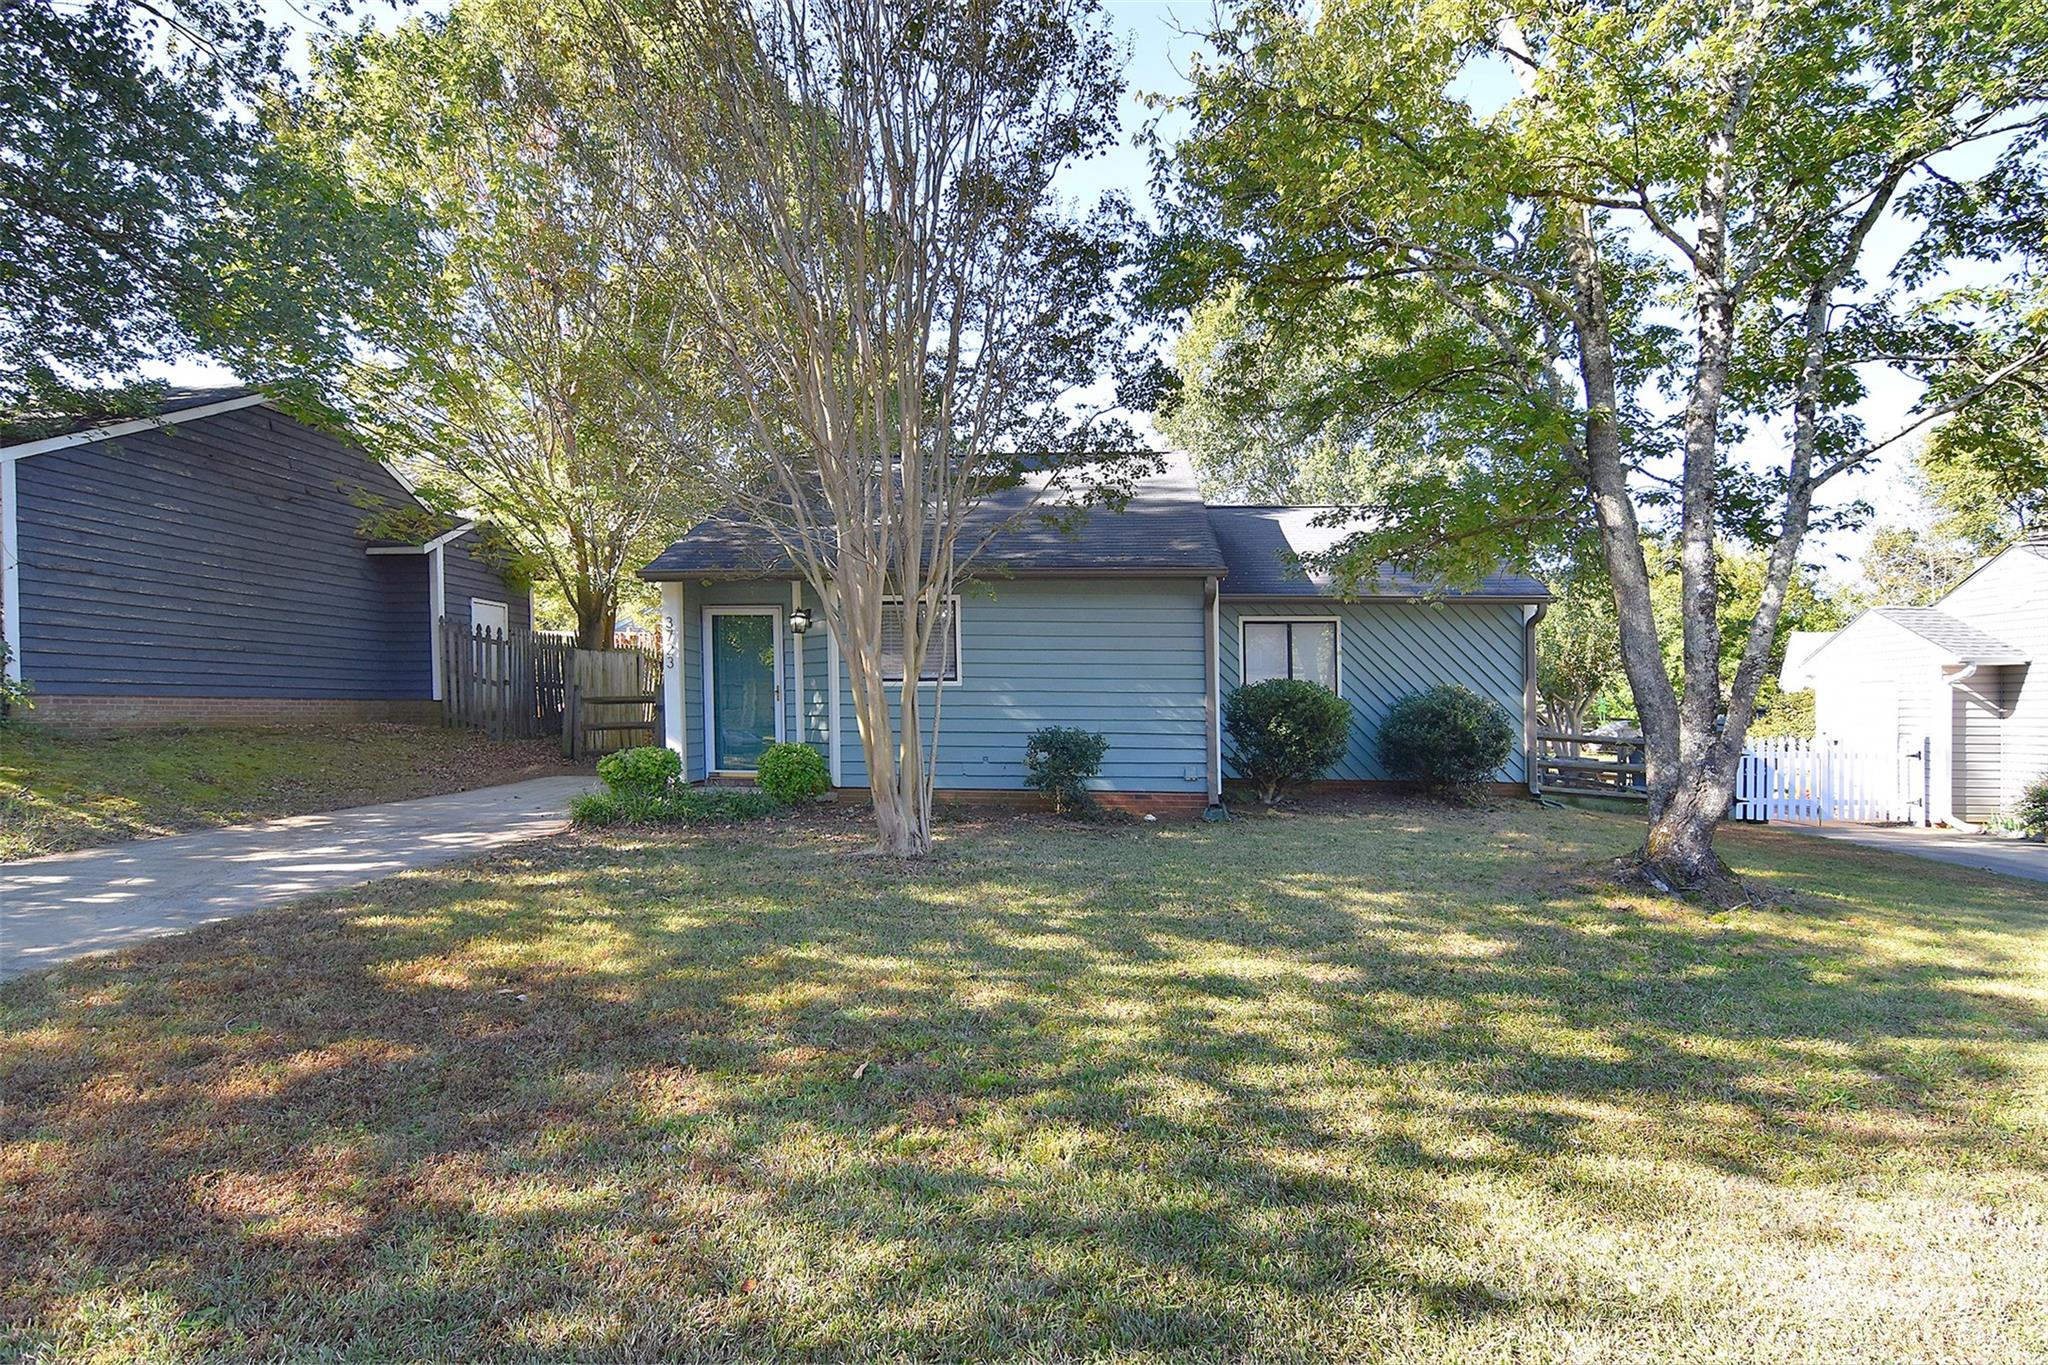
[[209, 562], [1134, 624]]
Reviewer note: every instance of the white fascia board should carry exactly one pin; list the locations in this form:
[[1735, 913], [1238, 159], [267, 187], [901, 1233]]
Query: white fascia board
[[140, 424], [425, 548]]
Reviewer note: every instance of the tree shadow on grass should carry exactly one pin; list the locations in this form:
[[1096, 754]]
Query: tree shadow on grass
[[1181, 1093]]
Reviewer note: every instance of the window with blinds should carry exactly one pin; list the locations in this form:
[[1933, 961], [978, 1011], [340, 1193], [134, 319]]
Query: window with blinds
[[1304, 649], [942, 655]]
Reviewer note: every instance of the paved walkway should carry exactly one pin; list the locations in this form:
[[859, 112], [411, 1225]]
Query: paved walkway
[[69, 904], [2013, 857]]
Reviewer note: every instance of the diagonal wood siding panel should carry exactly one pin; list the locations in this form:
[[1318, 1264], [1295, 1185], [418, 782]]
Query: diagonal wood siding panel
[[1391, 650]]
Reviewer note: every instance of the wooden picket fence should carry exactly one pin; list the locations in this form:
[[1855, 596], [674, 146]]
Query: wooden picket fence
[[508, 684], [1818, 781], [528, 684]]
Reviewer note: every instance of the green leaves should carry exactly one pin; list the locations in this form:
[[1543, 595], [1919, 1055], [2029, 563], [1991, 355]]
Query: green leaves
[[148, 214]]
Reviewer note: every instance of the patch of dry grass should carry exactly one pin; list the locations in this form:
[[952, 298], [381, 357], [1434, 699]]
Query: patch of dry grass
[[60, 792], [1392, 1084]]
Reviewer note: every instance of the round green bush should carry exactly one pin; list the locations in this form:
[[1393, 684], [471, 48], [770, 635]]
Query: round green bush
[[1285, 731], [1059, 760], [2030, 812], [791, 772], [643, 772], [1450, 740]]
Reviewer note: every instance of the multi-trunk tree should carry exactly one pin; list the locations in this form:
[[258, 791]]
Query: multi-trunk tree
[[1572, 274], [861, 194]]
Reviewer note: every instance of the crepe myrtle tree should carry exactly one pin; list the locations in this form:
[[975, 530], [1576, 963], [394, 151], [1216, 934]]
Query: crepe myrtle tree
[[861, 195], [1553, 277]]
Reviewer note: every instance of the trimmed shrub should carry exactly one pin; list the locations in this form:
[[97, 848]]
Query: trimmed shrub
[[646, 772], [1284, 732], [1450, 740], [792, 772], [681, 806], [2030, 812], [1059, 760]]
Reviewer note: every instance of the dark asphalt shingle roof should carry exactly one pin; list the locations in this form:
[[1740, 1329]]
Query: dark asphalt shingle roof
[[1260, 545], [1165, 529], [1161, 530], [1958, 638]]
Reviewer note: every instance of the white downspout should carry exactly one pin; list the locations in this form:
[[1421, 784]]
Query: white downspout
[[10, 567]]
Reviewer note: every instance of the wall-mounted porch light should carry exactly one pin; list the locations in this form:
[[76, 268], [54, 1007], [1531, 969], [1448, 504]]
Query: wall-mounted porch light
[[800, 620]]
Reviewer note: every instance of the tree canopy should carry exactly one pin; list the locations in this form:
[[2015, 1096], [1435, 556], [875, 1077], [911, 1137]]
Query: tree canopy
[[1566, 275], [147, 214], [508, 375]]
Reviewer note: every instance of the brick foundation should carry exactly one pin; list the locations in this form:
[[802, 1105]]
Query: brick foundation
[[1165, 805], [135, 713]]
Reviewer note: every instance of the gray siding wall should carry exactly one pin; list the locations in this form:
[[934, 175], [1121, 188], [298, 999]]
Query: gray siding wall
[[215, 558], [1388, 651], [1123, 657], [2009, 599], [465, 576]]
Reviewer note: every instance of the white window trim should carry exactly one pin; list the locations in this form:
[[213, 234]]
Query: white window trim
[[959, 647], [710, 733], [1337, 622]]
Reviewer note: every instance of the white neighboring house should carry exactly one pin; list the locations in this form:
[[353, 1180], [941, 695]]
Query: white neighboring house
[[1968, 675]]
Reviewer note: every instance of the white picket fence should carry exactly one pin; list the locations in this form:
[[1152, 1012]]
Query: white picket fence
[[1815, 781]]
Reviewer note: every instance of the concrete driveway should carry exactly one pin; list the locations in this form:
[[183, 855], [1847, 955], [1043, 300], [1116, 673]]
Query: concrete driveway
[[69, 904], [2013, 857]]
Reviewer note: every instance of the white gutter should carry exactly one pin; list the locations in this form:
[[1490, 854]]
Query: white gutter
[[10, 569]]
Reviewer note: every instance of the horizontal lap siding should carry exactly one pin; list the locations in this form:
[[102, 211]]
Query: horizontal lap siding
[[1391, 650], [465, 576], [1122, 657], [220, 557], [2008, 598]]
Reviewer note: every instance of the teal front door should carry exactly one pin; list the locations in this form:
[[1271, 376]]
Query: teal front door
[[743, 653]]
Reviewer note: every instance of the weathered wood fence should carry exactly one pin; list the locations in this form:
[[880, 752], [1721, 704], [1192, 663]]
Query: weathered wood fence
[[508, 684], [614, 701], [1590, 765], [526, 684]]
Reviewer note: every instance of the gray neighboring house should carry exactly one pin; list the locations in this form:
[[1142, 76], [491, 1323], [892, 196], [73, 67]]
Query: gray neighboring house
[[1135, 623], [1966, 676], [207, 563]]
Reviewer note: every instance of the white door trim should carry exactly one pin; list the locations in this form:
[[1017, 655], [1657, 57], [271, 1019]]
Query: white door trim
[[710, 732]]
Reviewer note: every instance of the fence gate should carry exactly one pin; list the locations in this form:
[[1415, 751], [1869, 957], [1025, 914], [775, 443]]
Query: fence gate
[[1812, 782], [614, 700]]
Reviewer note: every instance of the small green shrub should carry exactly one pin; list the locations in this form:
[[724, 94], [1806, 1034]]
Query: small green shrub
[[2030, 812], [681, 806], [1285, 731], [792, 772], [16, 696], [1449, 739], [647, 772], [1059, 760]]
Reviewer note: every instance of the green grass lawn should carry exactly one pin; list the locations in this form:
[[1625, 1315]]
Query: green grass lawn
[[61, 792], [1396, 1084]]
